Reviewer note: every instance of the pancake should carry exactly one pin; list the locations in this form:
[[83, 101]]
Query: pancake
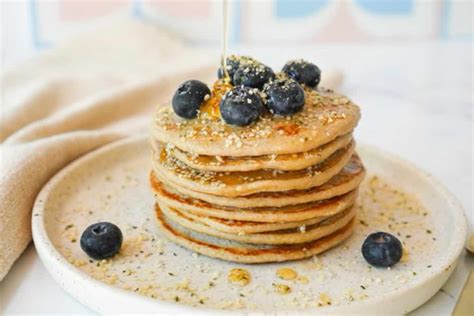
[[168, 168], [241, 227], [325, 116], [285, 162], [248, 253], [269, 214], [288, 236], [347, 180]]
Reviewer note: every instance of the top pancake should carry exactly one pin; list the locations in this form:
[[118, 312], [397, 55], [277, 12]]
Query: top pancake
[[325, 116]]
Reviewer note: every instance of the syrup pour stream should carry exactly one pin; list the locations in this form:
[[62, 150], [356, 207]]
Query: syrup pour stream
[[220, 87], [224, 41]]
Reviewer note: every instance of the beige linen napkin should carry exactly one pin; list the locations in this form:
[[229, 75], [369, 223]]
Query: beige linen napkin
[[92, 90]]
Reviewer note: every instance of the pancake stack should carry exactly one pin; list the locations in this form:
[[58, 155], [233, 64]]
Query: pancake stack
[[280, 189]]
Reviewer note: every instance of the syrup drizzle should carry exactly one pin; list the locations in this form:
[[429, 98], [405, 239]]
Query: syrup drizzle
[[225, 15], [220, 88]]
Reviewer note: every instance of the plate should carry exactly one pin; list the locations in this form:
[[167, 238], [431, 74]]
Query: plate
[[151, 274]]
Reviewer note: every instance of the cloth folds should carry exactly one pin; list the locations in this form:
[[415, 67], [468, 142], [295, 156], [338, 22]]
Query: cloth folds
[[86, 93], [94, 89]]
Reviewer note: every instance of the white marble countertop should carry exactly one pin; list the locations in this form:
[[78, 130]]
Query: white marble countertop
[[416, 100]]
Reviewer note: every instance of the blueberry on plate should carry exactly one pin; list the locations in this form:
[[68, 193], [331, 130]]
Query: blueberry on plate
[[101, 240], [382, 249], [233, 63], [253, 75], [241, 106], [189, 97], [284, 96], [304, 72]]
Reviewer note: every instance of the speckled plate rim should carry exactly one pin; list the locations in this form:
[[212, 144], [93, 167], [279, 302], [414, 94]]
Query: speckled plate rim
[[105, 298]]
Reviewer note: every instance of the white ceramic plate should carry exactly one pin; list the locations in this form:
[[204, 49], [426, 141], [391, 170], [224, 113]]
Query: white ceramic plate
[[150, 273]]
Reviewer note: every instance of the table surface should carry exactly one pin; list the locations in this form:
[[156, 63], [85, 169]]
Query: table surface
[[416, 101]]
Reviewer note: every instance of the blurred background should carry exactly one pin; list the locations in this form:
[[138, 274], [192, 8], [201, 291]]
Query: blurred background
[[30, 26]]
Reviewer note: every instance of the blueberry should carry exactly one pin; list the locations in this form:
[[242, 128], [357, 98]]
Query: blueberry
[[304, 72], [189, 97], [284, 96], [101, 240], [233, 63], [382, 249], [241, 106], [253, 75]]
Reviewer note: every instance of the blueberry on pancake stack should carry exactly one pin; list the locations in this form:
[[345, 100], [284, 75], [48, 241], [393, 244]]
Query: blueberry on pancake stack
[[262, 168]]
